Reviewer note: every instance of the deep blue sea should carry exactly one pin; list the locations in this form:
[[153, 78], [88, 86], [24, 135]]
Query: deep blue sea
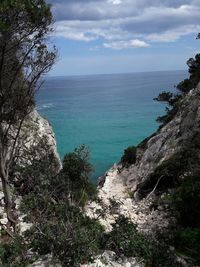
[[107, 113]]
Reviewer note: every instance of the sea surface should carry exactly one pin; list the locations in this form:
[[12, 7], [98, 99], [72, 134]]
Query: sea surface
[[107, 113]]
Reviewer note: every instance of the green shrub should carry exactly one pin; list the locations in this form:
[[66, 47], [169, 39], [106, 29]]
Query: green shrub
[[187, 201], [76, 172], [125, 240], [187, 243], [13, 253], [70, 237], [129, 156]]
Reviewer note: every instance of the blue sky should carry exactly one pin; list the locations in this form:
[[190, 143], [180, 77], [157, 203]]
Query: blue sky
[[118, 36]]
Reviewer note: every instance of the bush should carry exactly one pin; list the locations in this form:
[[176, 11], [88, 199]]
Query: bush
[[129, 156], [187, 243], [187, 201], [185, 86], [69, 236], [76, 171], [13, 253], [125, 240], [173, 101]]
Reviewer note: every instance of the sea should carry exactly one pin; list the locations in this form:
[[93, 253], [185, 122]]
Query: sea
[[107, 113]]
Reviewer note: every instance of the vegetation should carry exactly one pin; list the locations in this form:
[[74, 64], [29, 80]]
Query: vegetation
[[67, 234], [129, 156], [76, 171], [173, 100], [126, 240], [186, 202], [53, 205]]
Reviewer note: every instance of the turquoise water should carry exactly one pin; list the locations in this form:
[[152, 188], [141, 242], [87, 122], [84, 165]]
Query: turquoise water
[[106, 112]]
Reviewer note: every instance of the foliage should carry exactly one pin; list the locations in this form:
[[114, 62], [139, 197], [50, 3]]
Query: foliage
[[187, 243], [125, 240], [53, 204], [67, 234], [25, 57], [76, 171], [185, 86], [129, 156], [171, 110], [187, 201], [13, 253], [173, 99]]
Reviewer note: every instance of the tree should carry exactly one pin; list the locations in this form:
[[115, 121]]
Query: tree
[[129, 157], [172, 99], [24, 58]]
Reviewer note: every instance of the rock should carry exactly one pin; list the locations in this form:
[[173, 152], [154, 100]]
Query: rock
[[46, 261], [109, 259], [35, 132]]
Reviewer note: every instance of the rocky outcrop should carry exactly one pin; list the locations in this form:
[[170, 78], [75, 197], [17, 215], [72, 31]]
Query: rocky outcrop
[[36, 138]]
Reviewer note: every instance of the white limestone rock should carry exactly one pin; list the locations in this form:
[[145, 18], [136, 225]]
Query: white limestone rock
[[109, 259]]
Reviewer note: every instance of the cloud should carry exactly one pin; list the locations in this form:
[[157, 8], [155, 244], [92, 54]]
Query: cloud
[[115, 2], [120, 22], [126, 44], [174, 34]]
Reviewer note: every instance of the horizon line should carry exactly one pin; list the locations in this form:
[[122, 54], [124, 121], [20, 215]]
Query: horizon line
[[114, 73]]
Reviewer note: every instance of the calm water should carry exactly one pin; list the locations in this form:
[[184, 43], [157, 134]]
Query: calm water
[[106, 112]]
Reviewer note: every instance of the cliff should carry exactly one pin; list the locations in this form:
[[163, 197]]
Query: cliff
[[35, 139]]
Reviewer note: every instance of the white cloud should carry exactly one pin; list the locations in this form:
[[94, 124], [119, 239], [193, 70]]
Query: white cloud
[[126, 44], [120, 22], [174, 34], [72, 32], [115, 2]]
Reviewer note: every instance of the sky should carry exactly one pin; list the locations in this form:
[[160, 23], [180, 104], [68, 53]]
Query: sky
[[124, 36]]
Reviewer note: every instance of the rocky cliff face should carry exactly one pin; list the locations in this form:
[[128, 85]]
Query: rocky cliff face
[[35, 138]]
